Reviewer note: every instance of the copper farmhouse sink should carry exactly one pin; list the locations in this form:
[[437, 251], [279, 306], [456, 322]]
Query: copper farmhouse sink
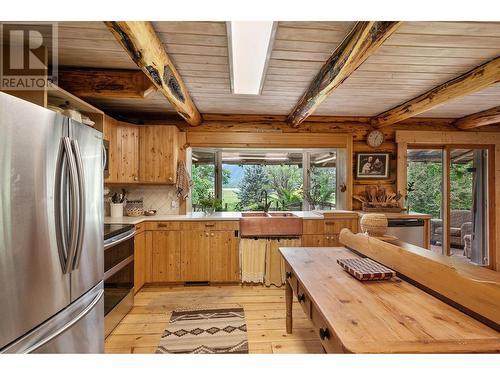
[[274, 224]]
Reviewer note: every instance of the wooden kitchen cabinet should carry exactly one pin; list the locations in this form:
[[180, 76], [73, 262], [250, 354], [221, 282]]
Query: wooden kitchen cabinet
[[158, 147], [123, 151], [224, 256], [139, 260], [166, 256], [185, 251], [318, 233], [313, 240], [195, 255]]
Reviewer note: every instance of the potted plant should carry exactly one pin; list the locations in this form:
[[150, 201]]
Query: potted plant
[[210, 204]]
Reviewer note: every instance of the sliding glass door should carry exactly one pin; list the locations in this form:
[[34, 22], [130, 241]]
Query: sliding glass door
[[468, 204], [451, 184], [425, 175]]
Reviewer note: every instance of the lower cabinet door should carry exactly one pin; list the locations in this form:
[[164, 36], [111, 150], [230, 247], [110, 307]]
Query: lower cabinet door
[[313, 240], [224, 256], [166, 256], [195, 255], [139, 261]]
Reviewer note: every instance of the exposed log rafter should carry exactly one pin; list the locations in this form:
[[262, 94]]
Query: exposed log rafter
[[140, 41], [105, 83], [489, 117], [468, 83], [363, 40]]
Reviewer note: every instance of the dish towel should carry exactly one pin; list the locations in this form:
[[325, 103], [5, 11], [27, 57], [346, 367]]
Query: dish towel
[[183, 183]]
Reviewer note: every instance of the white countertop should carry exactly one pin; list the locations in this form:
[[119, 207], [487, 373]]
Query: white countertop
[[196, 216]]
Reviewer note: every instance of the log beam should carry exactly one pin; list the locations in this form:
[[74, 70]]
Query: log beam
[[105, 83], [475, 120], [363, 40], [468, 83], [141, 42]]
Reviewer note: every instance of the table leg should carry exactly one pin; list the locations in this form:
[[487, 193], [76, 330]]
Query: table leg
[[288, 302]]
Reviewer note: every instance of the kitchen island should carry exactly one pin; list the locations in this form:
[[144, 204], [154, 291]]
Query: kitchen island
[[376, 317]]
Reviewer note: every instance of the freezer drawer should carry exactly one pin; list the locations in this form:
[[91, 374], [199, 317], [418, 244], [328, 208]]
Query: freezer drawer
[[77, 329]]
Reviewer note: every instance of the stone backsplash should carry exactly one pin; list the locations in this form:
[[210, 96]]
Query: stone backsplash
[[158, 198]]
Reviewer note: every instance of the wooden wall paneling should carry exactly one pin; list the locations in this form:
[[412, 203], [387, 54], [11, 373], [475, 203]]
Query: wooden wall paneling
[[240, 139], [402, 181]]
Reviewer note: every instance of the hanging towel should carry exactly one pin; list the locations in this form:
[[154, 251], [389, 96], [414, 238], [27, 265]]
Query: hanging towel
[[183, 183], [253, 260]]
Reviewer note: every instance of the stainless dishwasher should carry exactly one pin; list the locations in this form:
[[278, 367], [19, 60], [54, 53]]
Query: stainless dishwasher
[[407, 230]]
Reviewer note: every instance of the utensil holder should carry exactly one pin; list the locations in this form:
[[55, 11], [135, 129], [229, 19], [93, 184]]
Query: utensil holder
[[116, 209]]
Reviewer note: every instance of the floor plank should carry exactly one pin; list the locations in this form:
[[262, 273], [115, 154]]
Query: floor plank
[[140, 331]]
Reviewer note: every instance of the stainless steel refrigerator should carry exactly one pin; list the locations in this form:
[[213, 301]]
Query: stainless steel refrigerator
[[51, 232]]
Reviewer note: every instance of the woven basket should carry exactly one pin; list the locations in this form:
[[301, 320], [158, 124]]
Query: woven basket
[[374, 224], [135, 208]]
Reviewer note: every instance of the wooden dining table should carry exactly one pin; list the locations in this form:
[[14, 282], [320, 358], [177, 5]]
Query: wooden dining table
[[392, 316]]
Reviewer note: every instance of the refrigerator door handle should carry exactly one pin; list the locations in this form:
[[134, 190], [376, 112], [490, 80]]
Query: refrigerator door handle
[[104, 157], [67, 326], [81, 203], [61, 166], [74, 204]]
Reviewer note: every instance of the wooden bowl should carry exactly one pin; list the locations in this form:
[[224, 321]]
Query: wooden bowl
[[374, 224]]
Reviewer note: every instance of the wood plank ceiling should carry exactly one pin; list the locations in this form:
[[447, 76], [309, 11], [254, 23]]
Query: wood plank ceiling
[[416, 58]]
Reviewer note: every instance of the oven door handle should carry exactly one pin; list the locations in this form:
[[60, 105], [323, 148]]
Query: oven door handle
[[110, 242], [117, 268]]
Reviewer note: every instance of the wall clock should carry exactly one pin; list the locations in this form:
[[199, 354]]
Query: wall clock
[[375, 138]]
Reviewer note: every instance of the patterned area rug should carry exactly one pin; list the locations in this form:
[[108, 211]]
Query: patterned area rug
[[205, 331]]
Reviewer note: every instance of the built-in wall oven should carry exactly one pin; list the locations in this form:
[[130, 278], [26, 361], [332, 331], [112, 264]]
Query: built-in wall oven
[[118, 273]]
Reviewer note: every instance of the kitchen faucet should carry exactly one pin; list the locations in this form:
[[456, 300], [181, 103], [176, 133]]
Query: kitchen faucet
[[266, 203]]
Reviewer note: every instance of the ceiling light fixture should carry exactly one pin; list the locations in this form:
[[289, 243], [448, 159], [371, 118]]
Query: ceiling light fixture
[[249, 49]]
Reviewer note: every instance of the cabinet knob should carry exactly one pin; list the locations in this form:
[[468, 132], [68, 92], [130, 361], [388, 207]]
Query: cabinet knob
[[206, 234], [136, 178], [170, 178], [324, 333], [211, 234], [301, 297], [288, 275]]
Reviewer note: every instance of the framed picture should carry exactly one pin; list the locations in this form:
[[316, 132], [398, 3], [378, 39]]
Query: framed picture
[[373, 165]]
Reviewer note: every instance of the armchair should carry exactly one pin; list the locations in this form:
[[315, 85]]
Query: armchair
[[460, 226]]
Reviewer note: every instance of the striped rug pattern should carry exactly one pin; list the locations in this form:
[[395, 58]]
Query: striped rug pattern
[[205, 331]]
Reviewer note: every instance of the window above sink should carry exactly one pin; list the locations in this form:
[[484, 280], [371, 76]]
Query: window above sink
[[265, 179]]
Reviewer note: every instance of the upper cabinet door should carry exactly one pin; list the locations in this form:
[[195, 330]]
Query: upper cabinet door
[[158, 154], [123, 151]]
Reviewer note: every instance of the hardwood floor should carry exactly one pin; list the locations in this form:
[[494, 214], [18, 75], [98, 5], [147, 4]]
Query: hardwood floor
[[141, 329]]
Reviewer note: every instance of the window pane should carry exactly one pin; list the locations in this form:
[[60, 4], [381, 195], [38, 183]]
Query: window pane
[[425, 186], [323, 180], [250, 174], [468, 205], [203, 176]]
